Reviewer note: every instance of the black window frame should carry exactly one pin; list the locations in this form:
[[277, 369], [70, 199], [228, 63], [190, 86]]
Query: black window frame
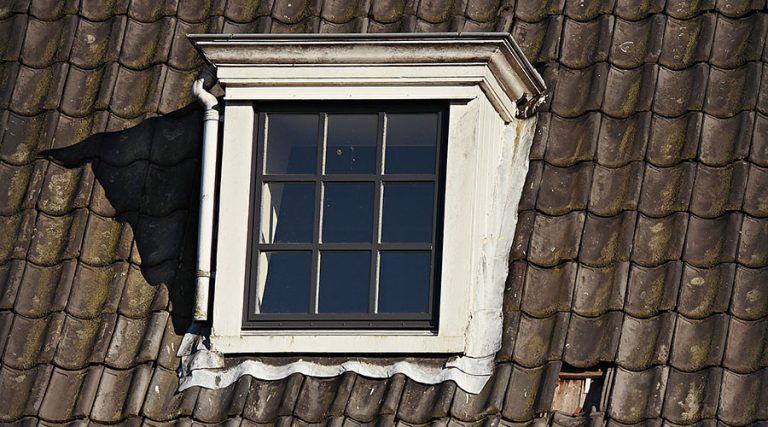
[[332, 321]]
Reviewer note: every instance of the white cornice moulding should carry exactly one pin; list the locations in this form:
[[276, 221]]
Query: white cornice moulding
[[492, 61]]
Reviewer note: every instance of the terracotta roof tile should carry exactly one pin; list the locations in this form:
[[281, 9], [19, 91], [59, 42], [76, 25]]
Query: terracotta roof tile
[[214, 406], [712, 241], [146, 10], [474, 407], [12, 29], [637, 42], [705, 291], [41, 289], [607, 240], [750, 299], [530, 391], [21, 137], [586, 10], [687, 41], [698, 343], [673, 140], [755, 197], [753, 247], [61, 396], [106, 241], [745, 350], [146, 43], [82, 341], [692, 397], [637, 395], [582, 132], [730, 92], [585, 43], [658, 240], [743, 398], [736, 8], [539, 41], [638, 9], [632, 90], [95, 43], [680, 91], [645, 342], [579, 91], [615, 190], [556, 239], [97, 10], [564, 189], [540, 340], [548, 290], [599, 289], [652, 290], [592, 340]]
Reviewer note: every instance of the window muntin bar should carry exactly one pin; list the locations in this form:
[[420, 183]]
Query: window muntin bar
[[376, 248]]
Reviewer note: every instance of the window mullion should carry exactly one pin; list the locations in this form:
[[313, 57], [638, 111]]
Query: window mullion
[[322, 135], [377, 207]]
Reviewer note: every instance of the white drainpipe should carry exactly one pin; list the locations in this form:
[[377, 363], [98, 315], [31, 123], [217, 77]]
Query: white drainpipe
[[207, 193]]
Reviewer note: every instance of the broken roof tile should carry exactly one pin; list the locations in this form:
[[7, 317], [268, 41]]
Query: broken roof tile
[[637, 43], [607, 240], [753, 247], [599, 289], [658, 240], [692, 397], [540, 340], [673, 140], [637, 395], [585, 43], [687, 41], [645, 342], [653, 290], [745, 349], [705, 291], [615, 190], [563, 190], [581, 134], [548, 290], [698, 343]]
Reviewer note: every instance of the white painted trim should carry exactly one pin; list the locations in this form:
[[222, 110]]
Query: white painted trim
[[483, 77]]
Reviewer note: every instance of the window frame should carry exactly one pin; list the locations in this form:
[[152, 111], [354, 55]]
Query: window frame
[[364, 321], [490, 87]]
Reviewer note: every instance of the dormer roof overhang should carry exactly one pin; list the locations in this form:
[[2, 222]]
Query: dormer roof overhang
[[492, 61]]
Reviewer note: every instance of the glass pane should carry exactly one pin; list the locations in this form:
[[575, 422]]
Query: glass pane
[[344, 282], [287, 212], [408, 212], [404, 282], [284, 282], [348, 212], [411, 143], [291, 143], [351, 143]]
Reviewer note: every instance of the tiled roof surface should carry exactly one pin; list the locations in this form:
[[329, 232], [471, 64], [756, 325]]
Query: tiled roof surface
[[642, 242]]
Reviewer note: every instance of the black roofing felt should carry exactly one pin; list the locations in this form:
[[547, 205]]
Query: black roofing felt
[[642, 241]]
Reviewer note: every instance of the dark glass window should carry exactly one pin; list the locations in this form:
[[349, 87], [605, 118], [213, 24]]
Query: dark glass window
[[347, 216]]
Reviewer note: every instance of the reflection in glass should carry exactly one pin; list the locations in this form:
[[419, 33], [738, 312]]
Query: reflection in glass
[[291, 143], [287, 212], [411, 141], [351, 143], [348, 212], [408, 208], [284, 282], [344, 281], [404, 282]]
